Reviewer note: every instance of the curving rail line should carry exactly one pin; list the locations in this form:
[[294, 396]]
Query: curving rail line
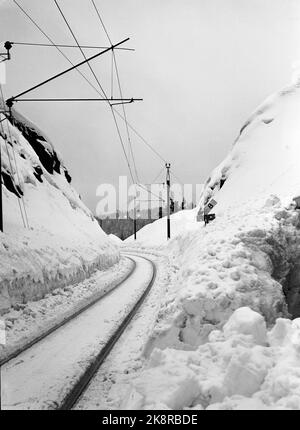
[[57, 326], [78, 386], [81, 385]]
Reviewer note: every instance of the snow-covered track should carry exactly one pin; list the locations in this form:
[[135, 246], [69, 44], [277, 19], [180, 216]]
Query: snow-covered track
[[79, 388], [57, 326], [54, 373]]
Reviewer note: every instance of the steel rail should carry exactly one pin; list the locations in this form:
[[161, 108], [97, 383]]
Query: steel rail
[[81, 385], [69, 318]]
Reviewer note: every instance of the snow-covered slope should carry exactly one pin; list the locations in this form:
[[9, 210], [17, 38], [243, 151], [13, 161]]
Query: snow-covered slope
[[264, 158], [61, 242], [155, 234], [220, 340]]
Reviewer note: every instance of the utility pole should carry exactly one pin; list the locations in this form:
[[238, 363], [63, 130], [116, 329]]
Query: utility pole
[[4, 56], [1, 213], [134, 218], [168, 182]]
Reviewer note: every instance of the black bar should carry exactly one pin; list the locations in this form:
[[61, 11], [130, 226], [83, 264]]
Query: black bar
[[67, 70], [134, 226], [169, 228], [76, 100]]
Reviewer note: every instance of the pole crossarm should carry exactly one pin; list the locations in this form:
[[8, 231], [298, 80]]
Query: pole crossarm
[[10, 101], [128, 100], [68, 46]]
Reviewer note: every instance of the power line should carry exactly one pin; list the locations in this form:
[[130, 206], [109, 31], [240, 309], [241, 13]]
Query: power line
[[54, 45], [24, 217], [120, 89], [100, 86], [77, 43], [124, 113], [100, 19], [150, 147], [158, 175], [87, 80]]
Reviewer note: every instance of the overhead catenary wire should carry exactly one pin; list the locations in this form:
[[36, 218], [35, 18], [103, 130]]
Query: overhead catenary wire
[[97, 80], [100, 86], [11, 169], [158, 175], [120, 89], [115, 111], [86, 79], [23, 216], [54, 45]]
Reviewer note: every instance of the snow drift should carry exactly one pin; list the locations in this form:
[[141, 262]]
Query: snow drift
[[50, 237], [248, 257], [242, 366]]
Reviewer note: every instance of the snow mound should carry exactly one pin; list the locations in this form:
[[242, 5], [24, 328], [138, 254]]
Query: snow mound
[[245, 321], [115, 239], [62, 242], [155, 234], [232, 370]]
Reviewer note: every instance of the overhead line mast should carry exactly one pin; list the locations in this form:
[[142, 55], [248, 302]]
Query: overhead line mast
[[10, 101]]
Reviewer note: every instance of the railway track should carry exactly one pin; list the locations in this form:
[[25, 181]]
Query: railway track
[[65, 320], [70, 396]]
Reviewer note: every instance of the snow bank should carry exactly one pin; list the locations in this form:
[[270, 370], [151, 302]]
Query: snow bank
[[115, 239], [62, 242], [240, 367], [155, 234], [210, 350]]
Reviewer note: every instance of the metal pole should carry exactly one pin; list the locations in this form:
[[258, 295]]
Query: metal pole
[[168, 182], [78, 100], [9, 101], [1, 213], [134, 219]]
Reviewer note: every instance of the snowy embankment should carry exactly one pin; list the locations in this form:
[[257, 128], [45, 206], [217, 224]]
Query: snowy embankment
[[223, 338], [61, 242]]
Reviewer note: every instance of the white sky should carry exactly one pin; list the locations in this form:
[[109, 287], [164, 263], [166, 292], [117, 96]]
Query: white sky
[[201, 67]]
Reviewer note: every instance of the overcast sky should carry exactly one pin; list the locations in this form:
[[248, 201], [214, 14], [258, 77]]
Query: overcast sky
[[201, 66]]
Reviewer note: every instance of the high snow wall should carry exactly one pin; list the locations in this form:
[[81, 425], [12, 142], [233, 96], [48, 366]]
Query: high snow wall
[[50, 237], [227, 334]]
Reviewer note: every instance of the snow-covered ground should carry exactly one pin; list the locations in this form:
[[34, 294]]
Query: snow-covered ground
[[62, 243], [224, 338]]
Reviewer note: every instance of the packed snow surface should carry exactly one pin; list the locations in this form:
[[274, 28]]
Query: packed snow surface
[[242, 366], [61, 242]]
